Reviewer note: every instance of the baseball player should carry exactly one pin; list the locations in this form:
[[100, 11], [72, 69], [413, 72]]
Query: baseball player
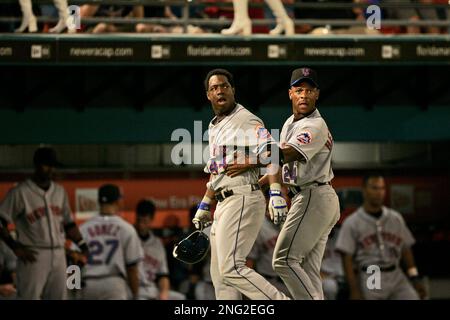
[[377, 235], [241, 207], [115, 251], [154, 264], [306, 148], [40, 211]]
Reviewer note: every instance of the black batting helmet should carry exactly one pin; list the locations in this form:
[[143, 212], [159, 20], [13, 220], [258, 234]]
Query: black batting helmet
[[193, 248]]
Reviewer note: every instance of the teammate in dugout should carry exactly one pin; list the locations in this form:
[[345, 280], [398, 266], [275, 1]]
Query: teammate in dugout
[[377, 235], [115, 251], [40, 210], [241, 206], [153, 268], [305, 151]]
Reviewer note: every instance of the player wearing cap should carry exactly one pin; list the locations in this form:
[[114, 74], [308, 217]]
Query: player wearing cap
[[306, 148], [240, 203], [40, 210], [377, 236], [305, 151], [115, 251]]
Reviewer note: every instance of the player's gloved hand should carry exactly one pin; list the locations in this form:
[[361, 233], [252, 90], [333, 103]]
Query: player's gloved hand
[[277, 204], [202, 218]]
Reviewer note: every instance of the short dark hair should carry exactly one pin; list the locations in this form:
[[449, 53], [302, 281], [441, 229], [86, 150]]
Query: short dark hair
[[369, 175], [145, 208], [221, 72]]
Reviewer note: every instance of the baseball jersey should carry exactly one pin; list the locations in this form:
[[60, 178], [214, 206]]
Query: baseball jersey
[[154, 263], [309, 136], [242, 132], [39, 215], [262, 250], [374, 241], [113, 244]]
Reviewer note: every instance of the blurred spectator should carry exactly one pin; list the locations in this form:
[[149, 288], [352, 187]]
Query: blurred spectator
[[154, 279], [164, 12], [329, 13], [243, 25], [156, 12], [413, 14], [29, 21], [112, 11], [9, 10]]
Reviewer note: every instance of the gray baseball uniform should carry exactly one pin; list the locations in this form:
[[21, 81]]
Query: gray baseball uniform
[[239, 217], [113, 245], [154, 265], [314, 208], [39, 217], [378, 241], [262, 254]]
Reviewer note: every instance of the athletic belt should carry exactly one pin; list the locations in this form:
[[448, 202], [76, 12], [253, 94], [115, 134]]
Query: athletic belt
[[98, 277], [296, 190], [383, 269], [221, 194], [45, 248], [271, 277]]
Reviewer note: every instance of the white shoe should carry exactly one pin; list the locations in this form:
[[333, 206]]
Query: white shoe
[[63, 14], [28, 18], [287, 26], [60, 27], [30, 23], [242, 27]]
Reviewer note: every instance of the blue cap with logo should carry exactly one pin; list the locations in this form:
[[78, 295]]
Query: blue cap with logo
[[304, 74]]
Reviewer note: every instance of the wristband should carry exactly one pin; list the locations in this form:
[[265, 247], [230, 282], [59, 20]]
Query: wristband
[[275, 189], [412, 272]]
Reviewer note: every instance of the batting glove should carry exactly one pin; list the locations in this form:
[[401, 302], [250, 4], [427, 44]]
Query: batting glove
[[202, 218], [277, 204]]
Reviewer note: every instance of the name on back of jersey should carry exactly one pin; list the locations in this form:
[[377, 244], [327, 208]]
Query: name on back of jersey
[[100, 230]]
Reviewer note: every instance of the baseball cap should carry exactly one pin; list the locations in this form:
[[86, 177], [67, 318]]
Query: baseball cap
[[145, 207], [108, 193], [304, 74], [46, 156]]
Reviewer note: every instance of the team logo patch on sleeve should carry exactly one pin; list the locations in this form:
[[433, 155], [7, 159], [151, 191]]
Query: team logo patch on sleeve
[[304, 137]]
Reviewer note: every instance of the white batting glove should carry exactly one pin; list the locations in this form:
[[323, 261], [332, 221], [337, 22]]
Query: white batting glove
[[277, 204], [202, 218]]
